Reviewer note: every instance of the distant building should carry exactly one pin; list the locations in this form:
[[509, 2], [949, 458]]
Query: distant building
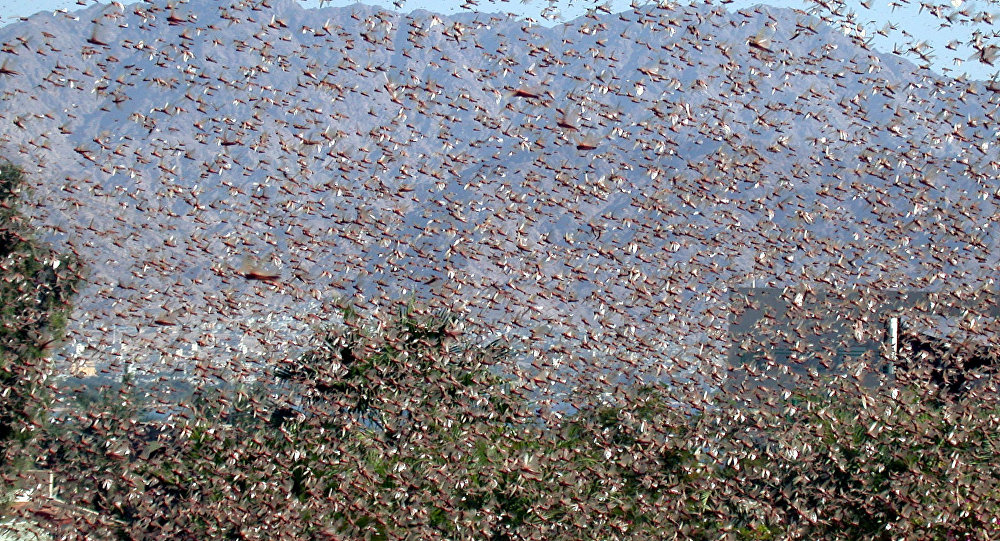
[[793, 331], [822, 328]]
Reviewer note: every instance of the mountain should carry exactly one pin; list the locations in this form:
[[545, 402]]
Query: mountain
[[231, 170]]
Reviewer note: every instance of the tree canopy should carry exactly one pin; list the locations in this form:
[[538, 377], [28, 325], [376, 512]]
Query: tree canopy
[[36, 288]]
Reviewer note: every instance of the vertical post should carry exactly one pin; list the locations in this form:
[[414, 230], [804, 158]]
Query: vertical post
[[893, 338]]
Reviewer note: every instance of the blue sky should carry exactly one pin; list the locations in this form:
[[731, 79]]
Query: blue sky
[[913, 24]]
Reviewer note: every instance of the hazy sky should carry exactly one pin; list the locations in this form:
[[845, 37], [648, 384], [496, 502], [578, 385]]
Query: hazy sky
[[912, 25]]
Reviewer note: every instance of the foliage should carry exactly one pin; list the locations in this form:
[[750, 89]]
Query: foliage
[[848, 463], [36, 286], [403, 430], [408, 376]]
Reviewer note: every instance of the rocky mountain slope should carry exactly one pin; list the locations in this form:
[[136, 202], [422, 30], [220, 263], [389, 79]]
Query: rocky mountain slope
[[231, 170]]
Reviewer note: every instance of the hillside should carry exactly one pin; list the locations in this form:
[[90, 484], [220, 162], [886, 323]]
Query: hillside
[[605, 181]]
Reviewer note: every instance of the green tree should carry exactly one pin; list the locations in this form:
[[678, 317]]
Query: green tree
[[408, 374], [386, 429], [849, 463], [36, 286]]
